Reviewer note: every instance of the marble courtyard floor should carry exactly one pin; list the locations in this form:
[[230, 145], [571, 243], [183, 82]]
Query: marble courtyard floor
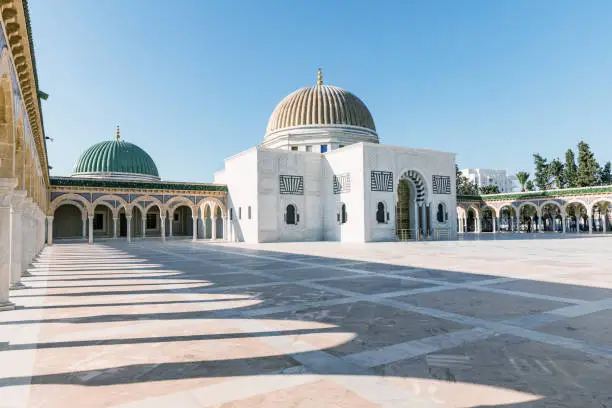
[[473, 323]]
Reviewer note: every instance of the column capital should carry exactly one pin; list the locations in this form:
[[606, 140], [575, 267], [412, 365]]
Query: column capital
[[129, 217], [163, 217], [91, 217], [50, 217], [17, 200], [195, 217]]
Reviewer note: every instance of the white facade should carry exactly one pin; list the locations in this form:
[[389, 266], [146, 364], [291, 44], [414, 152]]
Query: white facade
[[492, 177], [269, 180], [320, 174]]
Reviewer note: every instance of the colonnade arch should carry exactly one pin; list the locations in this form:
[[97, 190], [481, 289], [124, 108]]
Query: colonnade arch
[[111, 216], [553, 214]]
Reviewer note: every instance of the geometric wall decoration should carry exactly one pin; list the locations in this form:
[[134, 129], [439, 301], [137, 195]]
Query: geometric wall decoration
[[381, 181], [291, 185], [441, 185], [342, 183]]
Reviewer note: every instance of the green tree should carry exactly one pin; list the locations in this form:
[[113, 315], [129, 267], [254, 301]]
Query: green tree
[[541, 176], [587, 166], [464, 185], [556, 173], [529, 185], [604, 178], [490, 189], [522, 177], [570, 170]]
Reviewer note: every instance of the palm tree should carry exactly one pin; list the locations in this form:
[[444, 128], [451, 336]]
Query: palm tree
[[522, 177]]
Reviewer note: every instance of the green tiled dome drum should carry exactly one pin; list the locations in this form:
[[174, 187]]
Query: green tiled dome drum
[[116, 159]]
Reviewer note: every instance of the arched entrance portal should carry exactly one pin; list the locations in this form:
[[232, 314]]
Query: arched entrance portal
[[551, 218], [405, 212], [412, 218], [68, 221]]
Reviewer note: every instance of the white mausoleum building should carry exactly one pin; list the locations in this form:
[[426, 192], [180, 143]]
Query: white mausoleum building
[[321, 174]]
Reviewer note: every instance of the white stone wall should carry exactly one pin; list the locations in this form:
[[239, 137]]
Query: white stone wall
[[241, 177], [399, 160], [253, 179]]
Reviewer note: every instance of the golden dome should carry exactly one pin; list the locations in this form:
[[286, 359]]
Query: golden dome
[[321, 106]]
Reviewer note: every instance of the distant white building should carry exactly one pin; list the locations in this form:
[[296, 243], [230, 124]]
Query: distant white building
[[492, 177]]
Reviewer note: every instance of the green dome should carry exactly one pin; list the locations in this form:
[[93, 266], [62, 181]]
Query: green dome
[[116, 159]]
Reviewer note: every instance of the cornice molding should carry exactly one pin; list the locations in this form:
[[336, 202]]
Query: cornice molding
[[16, 22]]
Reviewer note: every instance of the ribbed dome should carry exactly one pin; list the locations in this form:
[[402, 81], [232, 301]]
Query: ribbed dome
[[116, 159], [324, 105]]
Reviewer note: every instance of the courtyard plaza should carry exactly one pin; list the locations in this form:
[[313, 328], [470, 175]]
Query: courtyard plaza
[[513, 321]]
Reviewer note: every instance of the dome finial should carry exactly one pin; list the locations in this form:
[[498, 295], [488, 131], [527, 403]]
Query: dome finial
[[118, 135], [319, 77]]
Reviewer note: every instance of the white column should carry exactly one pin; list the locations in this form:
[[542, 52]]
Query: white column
[[16, 252], [163, 227], [494, 225], [84, 223], [49, 230], [590, 222], [195, 227], [170, 225], [144, 227], [26, 232], [91, 218], [129, 228], [204, 227], [6, 191], [563, 223], [115, 219], [224, 232], [605, 222], [213, 234], [477, 224]]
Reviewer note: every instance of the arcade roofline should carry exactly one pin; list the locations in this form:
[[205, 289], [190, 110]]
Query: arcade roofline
[[75, 182], [562, 192]]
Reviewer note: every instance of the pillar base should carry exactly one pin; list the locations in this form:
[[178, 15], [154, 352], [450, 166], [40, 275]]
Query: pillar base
[[26, 274], [18, 286], [7, 306]]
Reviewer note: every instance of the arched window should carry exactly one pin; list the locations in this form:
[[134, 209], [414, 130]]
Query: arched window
[[290, 215], [239, 213], [343, 214], [249, 211], [441, 215], [380, 213]]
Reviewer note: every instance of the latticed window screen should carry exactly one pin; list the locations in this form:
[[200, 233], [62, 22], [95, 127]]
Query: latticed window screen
[[342, 183], [381, 181], [441, 184], [291, 184]]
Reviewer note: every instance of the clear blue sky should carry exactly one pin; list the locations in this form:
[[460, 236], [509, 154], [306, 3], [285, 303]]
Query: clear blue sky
[[193, 82]]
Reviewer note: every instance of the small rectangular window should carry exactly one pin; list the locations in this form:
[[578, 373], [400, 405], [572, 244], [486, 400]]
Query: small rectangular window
[[151, 221], [294, 148], [98, 222], [231, 213], [239, 213], [249, 212], [323, 148], [309, 148]]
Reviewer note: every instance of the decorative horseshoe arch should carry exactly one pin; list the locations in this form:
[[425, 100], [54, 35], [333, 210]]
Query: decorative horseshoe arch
[[419, 183]]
